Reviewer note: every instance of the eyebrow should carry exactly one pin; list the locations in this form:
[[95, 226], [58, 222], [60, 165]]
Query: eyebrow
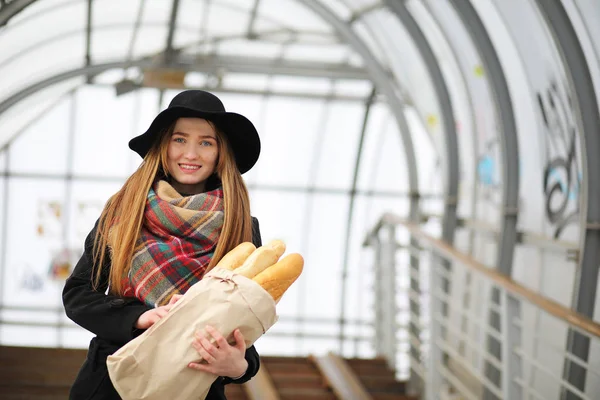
[[187, 135]]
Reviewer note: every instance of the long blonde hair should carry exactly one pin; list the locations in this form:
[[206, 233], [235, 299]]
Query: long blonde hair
[[121, 220]]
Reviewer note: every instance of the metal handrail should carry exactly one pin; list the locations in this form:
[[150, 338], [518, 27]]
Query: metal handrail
[[441, 248]]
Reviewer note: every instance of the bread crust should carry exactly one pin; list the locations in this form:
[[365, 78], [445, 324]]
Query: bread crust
[[237, 256], [257, 262], [277, 278], [278, 246]]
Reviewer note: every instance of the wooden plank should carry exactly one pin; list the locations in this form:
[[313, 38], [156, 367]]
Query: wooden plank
[[343, 381], [551, 307], [261, 386]]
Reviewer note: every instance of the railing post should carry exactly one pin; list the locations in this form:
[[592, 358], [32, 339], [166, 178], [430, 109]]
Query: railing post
[[435, 359], [511, 361], [385, 300]]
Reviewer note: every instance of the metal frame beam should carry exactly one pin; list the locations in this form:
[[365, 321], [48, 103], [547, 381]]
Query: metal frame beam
[[450, 166], [510, 162], [386, 86], [587, 117], [171, 30], [9, 10], [247, 65], [211, 64]]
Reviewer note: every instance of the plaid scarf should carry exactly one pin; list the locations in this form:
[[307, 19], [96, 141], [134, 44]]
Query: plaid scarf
[[177, 241]]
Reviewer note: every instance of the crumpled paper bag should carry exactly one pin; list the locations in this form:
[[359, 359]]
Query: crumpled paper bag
[[153, 366]]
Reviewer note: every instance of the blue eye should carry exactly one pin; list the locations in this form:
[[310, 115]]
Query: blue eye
[[179, 140], [206, 143]]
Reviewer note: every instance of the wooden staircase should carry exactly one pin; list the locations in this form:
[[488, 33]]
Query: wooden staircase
[[28, 373]]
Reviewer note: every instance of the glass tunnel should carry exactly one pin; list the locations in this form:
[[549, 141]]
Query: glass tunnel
[[475, 122]]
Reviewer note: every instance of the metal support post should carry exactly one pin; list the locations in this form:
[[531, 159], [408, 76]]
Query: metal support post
[[436, 356], [511, 362], [385, 299]]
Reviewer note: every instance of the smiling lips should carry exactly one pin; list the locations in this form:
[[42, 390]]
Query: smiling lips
[[189, 167]]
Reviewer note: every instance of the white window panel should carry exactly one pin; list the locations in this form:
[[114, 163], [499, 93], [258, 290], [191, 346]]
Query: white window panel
[[339, 8], [225, 20], [14, 335], [2, 160], [383, 165], [364, 31], [243, 47], [111, 41], [103, 12], [298, 84], [103, 128], [43, 146], [313, 231], [272, 345], [271, 207], [264, 26], [38, 8], [27, 281], [75, 337], [292, 14], [429, 173], [353, 88], [150, 39], [460, 98], [252, 82], [291, 130], [334, 53], [320, 285], [86, 202], [414, 76], [338, 144], [358, 5], [25, 68], [16, 118], [157, 11], [111, 76], [3, 195], [57, 23], [361, 268], [145, 107]]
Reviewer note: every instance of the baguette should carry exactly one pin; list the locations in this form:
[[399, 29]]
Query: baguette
[[236, 257], [257, 262], [278, 246], [279, 277]]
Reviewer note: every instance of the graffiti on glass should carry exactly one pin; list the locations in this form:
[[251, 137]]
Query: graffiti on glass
[[561, 175]]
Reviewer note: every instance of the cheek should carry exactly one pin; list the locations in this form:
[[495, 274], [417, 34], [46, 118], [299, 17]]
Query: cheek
[[213, 156], [171, 155]]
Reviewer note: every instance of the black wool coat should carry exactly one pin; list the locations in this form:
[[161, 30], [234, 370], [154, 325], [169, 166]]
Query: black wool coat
[[112, 319]]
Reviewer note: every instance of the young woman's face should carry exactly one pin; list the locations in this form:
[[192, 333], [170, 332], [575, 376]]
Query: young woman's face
[[192, 154]]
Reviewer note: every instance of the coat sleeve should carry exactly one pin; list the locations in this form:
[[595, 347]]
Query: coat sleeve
[[108, 316], [251, 354]]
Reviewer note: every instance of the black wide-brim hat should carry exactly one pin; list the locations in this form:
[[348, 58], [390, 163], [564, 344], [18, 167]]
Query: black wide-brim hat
[[240, 132]]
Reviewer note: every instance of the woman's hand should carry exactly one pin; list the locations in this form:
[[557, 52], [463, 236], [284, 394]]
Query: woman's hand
[[221, 359], [150, 317], [175, 298]]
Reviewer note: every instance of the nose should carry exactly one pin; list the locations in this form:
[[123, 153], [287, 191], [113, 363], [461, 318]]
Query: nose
[[191, 151]]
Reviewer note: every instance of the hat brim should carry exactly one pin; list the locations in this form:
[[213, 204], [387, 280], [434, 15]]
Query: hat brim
[[239, 130]]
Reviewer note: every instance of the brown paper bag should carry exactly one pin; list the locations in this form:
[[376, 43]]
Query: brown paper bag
[[153, 366]]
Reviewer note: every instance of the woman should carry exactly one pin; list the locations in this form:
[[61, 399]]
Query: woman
[[171, 222]]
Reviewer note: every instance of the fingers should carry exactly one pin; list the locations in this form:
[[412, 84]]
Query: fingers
[[240, 343], [204, 353], [219, 339], [201, 367], [161, 311], [206, 349], [175, 298]]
